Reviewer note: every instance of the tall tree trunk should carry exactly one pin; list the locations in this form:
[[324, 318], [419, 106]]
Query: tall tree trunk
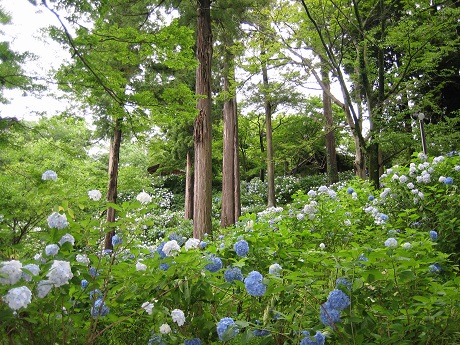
[[114, 157], [228, 181], [236, 167], [262, 151], [202, 126], [189, 187], [331, 156], [271, 201]]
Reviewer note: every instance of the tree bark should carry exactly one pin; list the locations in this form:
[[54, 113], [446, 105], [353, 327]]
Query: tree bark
[[271, 201], [189, 187], [202, 126], [331, 156], [114, 157], [228, 171], [236, 167]]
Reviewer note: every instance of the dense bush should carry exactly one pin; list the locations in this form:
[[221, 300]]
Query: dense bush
[[342, 264]]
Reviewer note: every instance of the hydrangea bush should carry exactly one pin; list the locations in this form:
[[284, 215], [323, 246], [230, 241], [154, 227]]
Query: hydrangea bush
[[340, 264]]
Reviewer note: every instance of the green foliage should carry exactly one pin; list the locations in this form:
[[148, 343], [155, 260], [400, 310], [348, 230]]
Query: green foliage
[[402, 285]]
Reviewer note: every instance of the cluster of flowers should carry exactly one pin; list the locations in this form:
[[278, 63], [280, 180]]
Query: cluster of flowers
[[331, 309]]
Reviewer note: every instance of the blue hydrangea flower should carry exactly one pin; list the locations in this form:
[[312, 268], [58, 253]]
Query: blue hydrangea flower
[[435, 268], [241, 248], [195, 341], [233, 273], [448, 180], [383, 217], [343, 282], [433, 235], [227, 329], [319, 339], [202, 244], [116, 240], [155, 340], [84, 284], [362, 258], [99, 309], [261, 332], [328, 315], [253, 284], [350, 190], [93, 272], [95, 294], [337, 299], [179, 239], [164, 266], [370, 197], [215, 265], [160, 250]]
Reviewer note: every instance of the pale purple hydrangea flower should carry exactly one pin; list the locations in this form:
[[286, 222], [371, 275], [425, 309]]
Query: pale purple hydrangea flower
[[57, 220], [51, 249], [33, 269], [391, 243], [12, 270], [60, 273], [178, 317], [67, 238], [49, 175], [18, 297]]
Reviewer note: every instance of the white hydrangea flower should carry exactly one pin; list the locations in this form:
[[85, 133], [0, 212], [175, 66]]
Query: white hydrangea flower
[[192, 243], [322, 246], [457, 168], [82, 258], [354, 196], [51, 249], [165, 329], [171, 247], [178, 316], [60, 273], [18, 298], [143, 197], [347, 222], [395, 177], [407, 245], [332, 194], [49, 175], [275, 269], [391, 242], [300, 216], [441, 179], [141, 267], [32, 268], [43, 288], [67, 238], [12, 270], [410, 185], [95, 195], [58, 221], [148, 307]]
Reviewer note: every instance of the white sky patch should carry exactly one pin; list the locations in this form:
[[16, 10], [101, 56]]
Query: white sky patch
[[25, 35]]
